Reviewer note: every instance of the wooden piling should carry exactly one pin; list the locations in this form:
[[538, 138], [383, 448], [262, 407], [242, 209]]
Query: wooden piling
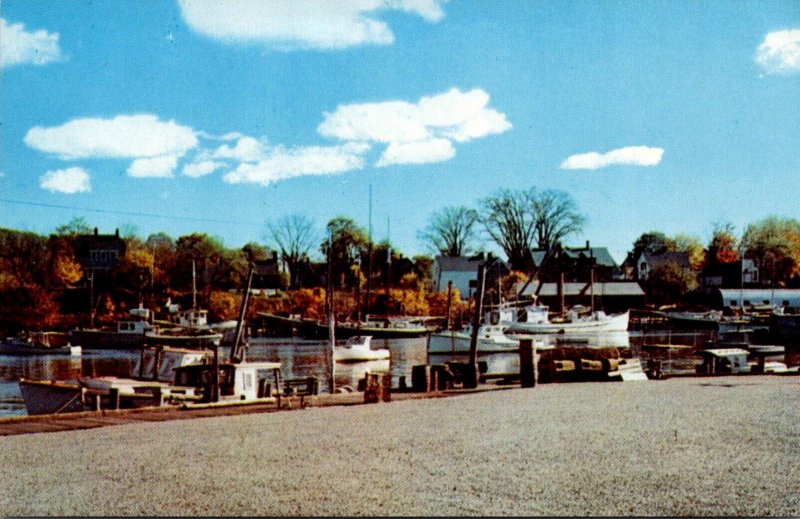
[[527, 373]]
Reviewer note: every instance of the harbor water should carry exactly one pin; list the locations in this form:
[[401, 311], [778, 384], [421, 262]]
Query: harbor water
[[300, 358]]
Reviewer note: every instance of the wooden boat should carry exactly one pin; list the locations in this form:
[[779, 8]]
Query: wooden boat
[[129, 334], [358, 349], [149, 383], [536, 320], [390, 328], [491, 336], [183, 338], [37, 343]]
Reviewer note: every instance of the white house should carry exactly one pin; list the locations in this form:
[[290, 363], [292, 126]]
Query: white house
[[460, 270]]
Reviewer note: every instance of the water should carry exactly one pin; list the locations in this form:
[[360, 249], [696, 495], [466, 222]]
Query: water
[[299, 358]]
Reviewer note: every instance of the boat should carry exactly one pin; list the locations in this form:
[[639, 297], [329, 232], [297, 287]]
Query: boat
[[37, 343], [389, 328], [358, 349], [183, 338], [694, 320], [784, 325], [535, 320], [491, 336], [149, 383], [129, 334]]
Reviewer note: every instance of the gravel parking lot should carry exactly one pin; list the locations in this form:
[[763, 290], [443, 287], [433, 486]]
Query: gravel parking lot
[[692, 446]]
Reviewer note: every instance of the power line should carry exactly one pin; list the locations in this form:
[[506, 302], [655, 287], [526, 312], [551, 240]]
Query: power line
[[126, 213]]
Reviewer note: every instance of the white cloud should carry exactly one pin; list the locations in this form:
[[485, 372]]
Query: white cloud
[[17, 46], [424, 152], [153, 167], [70, 181], [125, 136], [247, 149], [202, 168], [291, 24], [779, 53], [461, 116], [282, 163], [631, 155]]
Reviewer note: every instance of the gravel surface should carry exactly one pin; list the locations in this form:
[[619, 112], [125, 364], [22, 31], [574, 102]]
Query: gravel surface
[[696, 446]]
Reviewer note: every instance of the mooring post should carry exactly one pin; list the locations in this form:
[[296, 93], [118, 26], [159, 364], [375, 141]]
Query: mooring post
[[526, 363], [471, 374]]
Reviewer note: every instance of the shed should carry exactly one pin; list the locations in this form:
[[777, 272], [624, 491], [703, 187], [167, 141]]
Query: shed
[[776, 297], [613, 296]]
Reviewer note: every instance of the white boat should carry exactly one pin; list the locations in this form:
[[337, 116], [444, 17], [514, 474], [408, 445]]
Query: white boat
[[37, 343], [536, 320], [491, 336], [358, 349]]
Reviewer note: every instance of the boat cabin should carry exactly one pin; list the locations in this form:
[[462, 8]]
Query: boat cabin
[[133, 327], [193, 318], [159, 363], [237, 381]]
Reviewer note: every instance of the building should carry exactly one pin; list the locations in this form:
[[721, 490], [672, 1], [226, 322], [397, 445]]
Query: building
[[730, 275], [576, 263], [462, 271], [647, 262], [99, 253], [721, 298], [612, 296]]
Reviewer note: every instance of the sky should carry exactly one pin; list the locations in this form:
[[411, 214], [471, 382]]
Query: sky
[[219, 116]]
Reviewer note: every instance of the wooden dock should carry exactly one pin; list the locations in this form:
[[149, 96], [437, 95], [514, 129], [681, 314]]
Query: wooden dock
[[93, 419]]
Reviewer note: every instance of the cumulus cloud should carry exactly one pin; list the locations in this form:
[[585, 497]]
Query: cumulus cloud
[[153, 167], [18, 46], [423, 152], [779, 53], [282, 163], [631, 155], [247, 149], [454, 115], [70, 181], [125, 136], [202, 168], [291, 24]]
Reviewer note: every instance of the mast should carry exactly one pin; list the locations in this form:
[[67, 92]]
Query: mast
[[236, 354], [331, 319], [194, 288], [369, 256], [388, 264]]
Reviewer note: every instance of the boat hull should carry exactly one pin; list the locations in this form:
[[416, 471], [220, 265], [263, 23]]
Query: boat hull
[[45, 397], [613, 323], [184, 341], [455, 342], [106, 340]]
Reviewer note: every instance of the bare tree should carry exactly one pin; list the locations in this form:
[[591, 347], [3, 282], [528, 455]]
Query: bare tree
[[294, 236], [555, 216], [518, 220], [508, 220], [451, 231]]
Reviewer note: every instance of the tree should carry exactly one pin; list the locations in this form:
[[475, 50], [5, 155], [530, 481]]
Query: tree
[[691, 245], [78, 225], [555, 216], [667, 283], [652, 242], [451, 231], [516, 220], [294, 236], [723, 247], [348, 246], [508, 220], [774, 243]]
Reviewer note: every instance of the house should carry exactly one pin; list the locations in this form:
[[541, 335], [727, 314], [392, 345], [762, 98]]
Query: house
[[576, 263], [730, 275], [266, 274], [646, 262], [612, 296], [99, 253], [462, 271]]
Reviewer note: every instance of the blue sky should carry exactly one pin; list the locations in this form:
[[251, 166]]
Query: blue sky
[[183, 116]]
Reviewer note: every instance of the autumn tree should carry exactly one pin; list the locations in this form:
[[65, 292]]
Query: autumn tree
[[723, 247], [294, 236], [774, 243], [691, 245], [453, 231], [348, 246]]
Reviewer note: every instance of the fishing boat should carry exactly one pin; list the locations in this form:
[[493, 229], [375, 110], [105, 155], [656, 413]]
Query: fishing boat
[[37, 343], [358, 349], [491, 336], [149, 383], [128, 334], [183, 338], [389, 328], [535, 320], [694, 320]]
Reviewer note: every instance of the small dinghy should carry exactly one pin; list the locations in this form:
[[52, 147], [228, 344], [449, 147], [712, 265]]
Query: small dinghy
[[357, 349]]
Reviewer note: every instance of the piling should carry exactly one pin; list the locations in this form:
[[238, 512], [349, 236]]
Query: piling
[[527, 372]]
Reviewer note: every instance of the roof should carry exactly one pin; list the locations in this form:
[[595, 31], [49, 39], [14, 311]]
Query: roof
[[724, 352], [757, 295], [462, 263], [600, 254], [611, 288], [657, 260]]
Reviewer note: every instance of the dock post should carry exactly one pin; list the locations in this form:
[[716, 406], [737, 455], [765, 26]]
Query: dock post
[[527, 375], [113, 397]]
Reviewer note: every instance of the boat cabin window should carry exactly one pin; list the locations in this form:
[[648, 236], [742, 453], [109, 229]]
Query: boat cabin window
[[765, 302], [734, 302], [785, 302], [746, 302]]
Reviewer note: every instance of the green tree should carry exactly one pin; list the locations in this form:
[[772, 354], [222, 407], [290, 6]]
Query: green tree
[[774, 243], [349, 246], [667, 283]]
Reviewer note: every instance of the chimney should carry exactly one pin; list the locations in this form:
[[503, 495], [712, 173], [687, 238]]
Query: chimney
[[95, 231], [116, 233], [587, 244]]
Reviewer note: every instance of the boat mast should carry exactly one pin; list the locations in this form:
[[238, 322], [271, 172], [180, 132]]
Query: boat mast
[[194, 288], [331, 318], [369, 256], [388, 265]]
